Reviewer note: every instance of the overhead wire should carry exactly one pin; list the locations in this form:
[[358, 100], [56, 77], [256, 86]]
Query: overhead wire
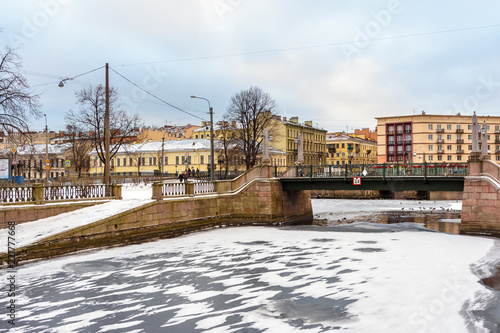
[[312, 46], [154, 96]]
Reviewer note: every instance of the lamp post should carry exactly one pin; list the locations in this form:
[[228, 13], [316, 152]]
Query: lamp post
[[211, 137], [47, 166]]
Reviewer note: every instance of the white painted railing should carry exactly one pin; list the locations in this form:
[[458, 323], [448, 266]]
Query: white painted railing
[[173, 189], [204, 187]]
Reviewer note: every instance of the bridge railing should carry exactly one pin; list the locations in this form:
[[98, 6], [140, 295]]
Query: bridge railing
[[373, 170], [41, 193]]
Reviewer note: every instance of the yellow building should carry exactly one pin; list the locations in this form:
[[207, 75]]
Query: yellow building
[[432, 138], [346, 149], [171, 156], [283, 138]]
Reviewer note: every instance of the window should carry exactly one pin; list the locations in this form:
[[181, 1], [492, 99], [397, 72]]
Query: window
[[429, 126], [440, 157], [459, 127], [448, 147], [430, 136], [130, 161], [150, 161], [431, 147], [391, 140], [391, 150], [390, 129], [470, 137], [448, 127], [459, 157], [117, 162], [438, 127], [400, 129], [430, 157], [143, 161], [448, 157], [343, 145], [124, 161], [400, 139], [400, 149], [440, 137], [408, 128], [177, 160], [448, 137]]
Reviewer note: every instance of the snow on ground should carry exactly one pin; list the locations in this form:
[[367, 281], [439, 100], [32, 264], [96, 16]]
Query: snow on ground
[[30, 232], [307, 279]]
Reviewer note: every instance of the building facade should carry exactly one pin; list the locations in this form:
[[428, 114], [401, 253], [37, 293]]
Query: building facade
[[169, 157], [347, 149], [432, 138]]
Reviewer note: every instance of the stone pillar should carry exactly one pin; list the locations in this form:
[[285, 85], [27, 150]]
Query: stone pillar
[[38, 190], [116, 190], [475, 153], [157, 191], [189, 189], [265, 156]]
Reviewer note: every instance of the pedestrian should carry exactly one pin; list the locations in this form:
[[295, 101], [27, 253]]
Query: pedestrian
[[185, 176], [197, 172], [181, 177]]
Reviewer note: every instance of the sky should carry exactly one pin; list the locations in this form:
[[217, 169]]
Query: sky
[[338, 63]]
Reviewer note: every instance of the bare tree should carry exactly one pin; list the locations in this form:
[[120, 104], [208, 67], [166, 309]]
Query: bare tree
[[80, 147], [17, 100], [252, 110], [90, 117]]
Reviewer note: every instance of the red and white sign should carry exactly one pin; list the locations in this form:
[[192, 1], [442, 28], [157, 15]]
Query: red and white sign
[[356, 181]]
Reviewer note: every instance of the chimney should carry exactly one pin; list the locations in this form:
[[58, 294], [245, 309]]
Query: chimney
[[294, 120], [284, 118], [203, 123], [309, 123]]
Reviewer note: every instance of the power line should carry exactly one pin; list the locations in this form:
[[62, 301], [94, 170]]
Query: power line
[[158, 98], [313, 46], [64, 79]]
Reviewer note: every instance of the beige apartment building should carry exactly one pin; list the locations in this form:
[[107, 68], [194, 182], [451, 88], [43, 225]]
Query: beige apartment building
[[432, 138]]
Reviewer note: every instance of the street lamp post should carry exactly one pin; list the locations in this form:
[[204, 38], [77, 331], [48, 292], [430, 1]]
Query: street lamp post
[[211, 137], [47, 166]]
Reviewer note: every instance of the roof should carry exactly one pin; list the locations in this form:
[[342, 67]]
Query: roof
[[36, 149]]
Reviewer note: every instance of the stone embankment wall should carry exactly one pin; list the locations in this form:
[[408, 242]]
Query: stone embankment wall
[[259, 201], [28, 213], [481, 199]]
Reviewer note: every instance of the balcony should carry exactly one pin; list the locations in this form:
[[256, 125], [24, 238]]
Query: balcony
[[440, 130], [408, 131], [390, 132], [460, 151], [460, 140], [440, 151], [497, 131], [460, 131], [440, 141], [407, 142]]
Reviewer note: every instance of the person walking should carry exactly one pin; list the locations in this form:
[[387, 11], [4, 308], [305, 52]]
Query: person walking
[[181, 176]]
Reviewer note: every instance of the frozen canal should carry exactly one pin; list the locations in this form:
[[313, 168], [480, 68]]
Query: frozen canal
[[360, 277]]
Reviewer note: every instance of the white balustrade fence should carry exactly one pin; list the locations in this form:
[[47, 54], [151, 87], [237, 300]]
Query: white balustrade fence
[[173, 189], [204, 187]]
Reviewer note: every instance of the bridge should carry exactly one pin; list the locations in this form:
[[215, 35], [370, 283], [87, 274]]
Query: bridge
[[382, 177]]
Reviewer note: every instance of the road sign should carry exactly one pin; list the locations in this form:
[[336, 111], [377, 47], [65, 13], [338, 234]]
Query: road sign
[[356, 181], [47, 167], [14, 150], [68, 163], [14, 162]]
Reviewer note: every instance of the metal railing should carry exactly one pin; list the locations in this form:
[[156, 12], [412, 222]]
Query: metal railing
[[53, 193], [39, 193], [373, 170], [16, 194]]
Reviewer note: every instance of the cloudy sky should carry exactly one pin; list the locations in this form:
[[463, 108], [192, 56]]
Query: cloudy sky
[[339, 63]]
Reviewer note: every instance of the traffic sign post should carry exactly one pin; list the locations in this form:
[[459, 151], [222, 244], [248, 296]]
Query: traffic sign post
[[356, 181]]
